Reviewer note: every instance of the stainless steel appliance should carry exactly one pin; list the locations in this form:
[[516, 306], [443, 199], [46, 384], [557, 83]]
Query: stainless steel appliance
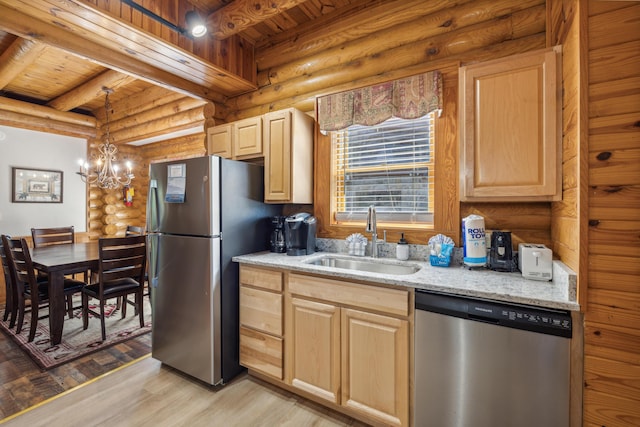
[[300, 234], [501, 252], [484, 363], [201, 212]]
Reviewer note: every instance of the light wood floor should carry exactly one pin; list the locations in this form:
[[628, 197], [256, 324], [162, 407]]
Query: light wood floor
[[145, 393]]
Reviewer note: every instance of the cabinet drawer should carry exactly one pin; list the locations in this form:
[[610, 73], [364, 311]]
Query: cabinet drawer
[[261, 352], [392, 301], [261, 310], [261, 278]]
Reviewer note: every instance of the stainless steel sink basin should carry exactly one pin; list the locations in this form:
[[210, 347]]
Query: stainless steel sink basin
[[364, 265]]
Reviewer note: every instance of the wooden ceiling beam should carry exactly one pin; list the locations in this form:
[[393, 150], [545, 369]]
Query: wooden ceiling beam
[[8, 104], [242, 14], [39, 117], [18, 56], [82, 30], [90, 90]]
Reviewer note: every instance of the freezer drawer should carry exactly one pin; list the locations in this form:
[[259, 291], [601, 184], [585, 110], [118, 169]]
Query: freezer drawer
[[186, 305]]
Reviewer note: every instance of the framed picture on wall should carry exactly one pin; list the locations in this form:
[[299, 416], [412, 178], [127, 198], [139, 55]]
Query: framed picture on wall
[[36, 185]]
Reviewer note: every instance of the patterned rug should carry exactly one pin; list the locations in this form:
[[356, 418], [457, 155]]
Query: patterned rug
[[77, 342]]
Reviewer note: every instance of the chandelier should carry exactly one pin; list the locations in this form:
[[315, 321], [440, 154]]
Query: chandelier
[[104, 171]]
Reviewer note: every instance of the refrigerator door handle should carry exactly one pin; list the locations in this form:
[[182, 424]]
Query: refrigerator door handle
[[152, 207], [154, 246]]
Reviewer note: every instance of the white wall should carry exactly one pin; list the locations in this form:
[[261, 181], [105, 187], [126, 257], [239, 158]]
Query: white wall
[[39, 150]]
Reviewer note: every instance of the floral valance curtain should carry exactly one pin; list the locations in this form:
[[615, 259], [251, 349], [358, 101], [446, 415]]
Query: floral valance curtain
[[407, 98]]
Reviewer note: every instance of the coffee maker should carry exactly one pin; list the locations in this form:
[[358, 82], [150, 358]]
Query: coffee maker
[[300, 234], [276, 237], [501, 252]]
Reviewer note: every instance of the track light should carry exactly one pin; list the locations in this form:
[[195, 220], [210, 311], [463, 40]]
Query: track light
[[195, 24]]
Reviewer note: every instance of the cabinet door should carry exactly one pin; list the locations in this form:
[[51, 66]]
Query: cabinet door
[[247, 138], [375, 366], [315, 351], [219, 141], [277, 159], [510, 129]]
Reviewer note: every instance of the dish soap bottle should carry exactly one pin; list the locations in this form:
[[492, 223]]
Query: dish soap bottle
[[402, 249]]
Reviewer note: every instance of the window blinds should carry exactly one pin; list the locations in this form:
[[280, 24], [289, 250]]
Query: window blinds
[[389, 165]]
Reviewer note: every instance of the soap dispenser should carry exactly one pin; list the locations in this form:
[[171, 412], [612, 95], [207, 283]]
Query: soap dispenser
[[402, 249]]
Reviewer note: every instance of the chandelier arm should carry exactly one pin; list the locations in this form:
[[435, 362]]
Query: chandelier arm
[[106, 171]]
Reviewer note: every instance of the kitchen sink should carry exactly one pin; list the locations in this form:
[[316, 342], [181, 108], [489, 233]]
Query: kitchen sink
[[371, 266]]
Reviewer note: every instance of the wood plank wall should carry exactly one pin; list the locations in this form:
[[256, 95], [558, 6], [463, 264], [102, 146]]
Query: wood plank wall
[[612, 318], [233, 54]]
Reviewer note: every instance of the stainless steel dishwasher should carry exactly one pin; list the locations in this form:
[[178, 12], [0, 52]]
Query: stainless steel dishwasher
[[485, 363]]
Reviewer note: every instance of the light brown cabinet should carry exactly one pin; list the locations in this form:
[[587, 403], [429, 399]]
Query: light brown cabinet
[[288, 162], [348, 343], [510, 128], [236, 140], [285, 139], [219, 140], [315, 346], [261, 320]]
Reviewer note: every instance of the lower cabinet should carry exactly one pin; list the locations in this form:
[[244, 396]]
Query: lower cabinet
[[261, 325], [375, 366], [315, 345], [351, 357], [341, 342]]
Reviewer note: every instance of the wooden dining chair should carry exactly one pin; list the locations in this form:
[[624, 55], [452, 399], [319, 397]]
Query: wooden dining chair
[[32, 290], [56, 236], [122, 264], [134, 230], [52, 236], [11, 299]]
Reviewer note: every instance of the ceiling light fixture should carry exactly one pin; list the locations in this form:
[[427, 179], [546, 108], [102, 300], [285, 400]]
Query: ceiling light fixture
[[195, 24], [104, 172]]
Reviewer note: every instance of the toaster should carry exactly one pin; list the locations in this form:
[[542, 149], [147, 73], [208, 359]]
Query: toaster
[[535, 261]]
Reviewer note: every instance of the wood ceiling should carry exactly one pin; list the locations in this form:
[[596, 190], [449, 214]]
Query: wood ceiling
[[59, 54]]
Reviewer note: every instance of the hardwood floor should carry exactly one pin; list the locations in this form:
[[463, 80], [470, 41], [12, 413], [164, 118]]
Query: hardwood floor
[[146, 393], [24, 384], [111, 388]]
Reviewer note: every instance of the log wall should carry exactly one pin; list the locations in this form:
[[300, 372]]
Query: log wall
[[394, 40], [143, 116]]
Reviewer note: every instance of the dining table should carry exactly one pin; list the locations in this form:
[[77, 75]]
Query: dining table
[[57, 261]]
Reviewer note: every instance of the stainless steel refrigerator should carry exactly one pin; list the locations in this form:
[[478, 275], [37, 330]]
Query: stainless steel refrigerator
[[200, 213]]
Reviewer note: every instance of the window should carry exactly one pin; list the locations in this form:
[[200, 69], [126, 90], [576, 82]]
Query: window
[[389, 165]]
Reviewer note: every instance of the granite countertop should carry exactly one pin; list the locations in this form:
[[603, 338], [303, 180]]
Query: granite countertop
[[509, 287]]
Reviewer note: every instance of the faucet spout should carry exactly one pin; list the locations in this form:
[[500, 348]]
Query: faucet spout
[[372, 227], [371, 220]]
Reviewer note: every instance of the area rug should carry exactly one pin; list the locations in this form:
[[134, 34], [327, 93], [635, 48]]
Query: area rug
[[77, 342]]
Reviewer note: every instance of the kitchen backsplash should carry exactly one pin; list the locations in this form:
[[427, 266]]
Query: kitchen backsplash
[[385, 250]]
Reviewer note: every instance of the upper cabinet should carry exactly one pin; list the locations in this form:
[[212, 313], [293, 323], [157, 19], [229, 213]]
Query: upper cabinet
[[288, 159], [237, 140], [510, 128], [285, 139]]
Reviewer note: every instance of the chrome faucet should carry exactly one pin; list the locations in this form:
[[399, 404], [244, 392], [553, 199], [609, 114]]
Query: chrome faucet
[[372, 228]]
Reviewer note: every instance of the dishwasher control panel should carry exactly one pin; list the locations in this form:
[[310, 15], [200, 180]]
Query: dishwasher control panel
[[535, 319]]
